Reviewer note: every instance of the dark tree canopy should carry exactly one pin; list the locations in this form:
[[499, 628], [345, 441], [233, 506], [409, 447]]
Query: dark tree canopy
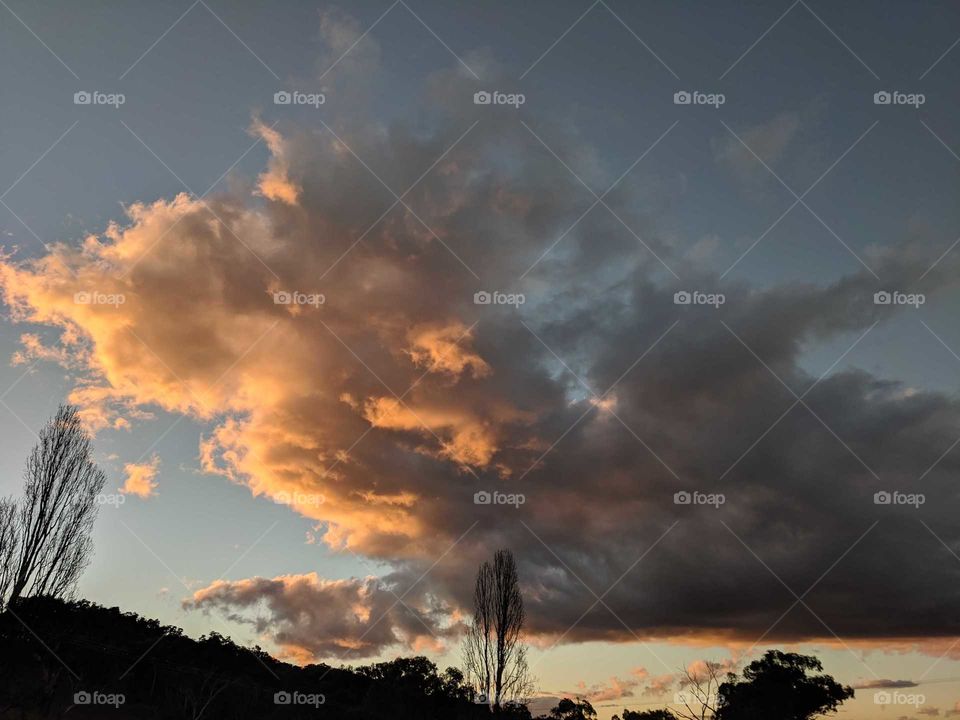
[[658, 714], [778, 686], [567, 709]]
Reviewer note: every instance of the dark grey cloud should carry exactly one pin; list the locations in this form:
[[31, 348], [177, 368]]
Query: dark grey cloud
[[700, 396]]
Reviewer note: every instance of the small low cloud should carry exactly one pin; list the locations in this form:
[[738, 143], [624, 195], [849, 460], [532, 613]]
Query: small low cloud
[[769, 141], [615, 688], [310, 617], [141, 478], [880, 684]]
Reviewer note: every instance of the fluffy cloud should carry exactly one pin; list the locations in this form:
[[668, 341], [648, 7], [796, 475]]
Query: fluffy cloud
[[398, 397], [639, 681], [140, 478], [308, 616]]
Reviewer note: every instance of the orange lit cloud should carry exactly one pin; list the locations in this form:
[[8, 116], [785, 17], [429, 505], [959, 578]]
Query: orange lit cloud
[[275, 183], [381, 412], [311, 617], [140, 478]]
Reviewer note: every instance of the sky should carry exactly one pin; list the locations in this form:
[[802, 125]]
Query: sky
[[273, 316]]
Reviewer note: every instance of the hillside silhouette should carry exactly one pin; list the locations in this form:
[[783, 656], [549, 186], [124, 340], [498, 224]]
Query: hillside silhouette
[[59, 655], [55, 652]]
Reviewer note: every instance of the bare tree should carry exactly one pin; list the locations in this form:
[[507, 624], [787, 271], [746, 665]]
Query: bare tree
[[494, 655], [8, 544], [56, 514], [698, 691], [478, 645]]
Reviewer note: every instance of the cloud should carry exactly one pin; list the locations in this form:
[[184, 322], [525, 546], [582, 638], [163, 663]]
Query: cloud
[[140, 478], [876, 684], [274, 183], [311, 617], [769, 141], [399, 398], [615, 688]]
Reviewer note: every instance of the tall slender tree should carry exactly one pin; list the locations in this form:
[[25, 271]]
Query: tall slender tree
[[8, 544], [494, 653], [53, 520]]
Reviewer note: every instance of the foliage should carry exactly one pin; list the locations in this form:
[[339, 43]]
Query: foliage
[[567, 709], [778, 686], [659, 714]]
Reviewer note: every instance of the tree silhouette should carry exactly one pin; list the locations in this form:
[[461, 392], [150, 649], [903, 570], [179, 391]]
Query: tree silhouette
[[659, 714], [494, 656], [51, 542], [699, 692], [777, 686], [567, 709], [8, 544]]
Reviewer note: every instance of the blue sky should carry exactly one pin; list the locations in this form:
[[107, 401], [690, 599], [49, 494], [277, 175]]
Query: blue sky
[[599, 81]]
